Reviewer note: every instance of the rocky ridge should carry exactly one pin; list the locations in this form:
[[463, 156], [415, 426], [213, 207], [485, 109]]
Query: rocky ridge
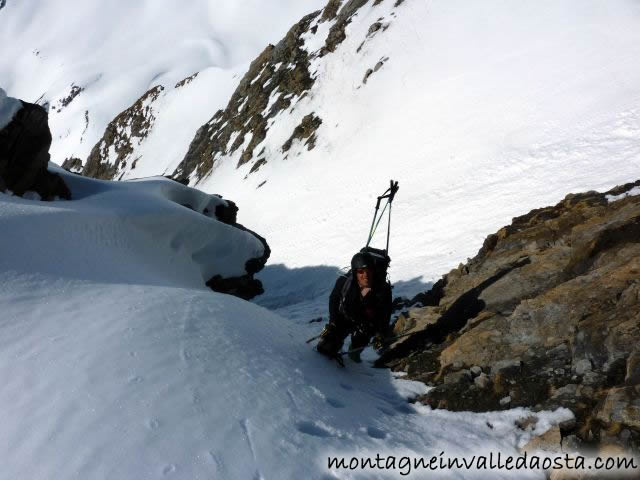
[[546, 315], [276, 82], [110, 156]]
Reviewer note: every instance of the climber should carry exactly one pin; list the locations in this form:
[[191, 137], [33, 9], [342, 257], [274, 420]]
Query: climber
[[360, 305]]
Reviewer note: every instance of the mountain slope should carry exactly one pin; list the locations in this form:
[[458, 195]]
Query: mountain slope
[[117, 362], [89, 62], [482, 113]]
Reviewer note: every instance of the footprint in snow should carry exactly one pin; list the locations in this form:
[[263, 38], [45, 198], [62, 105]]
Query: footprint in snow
[[374, 432], [313, 429], [169, 469], [335, 403], [153, 424], [346, 387]]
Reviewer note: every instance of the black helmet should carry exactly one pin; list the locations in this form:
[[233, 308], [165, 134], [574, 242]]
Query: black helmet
[[362, 260]]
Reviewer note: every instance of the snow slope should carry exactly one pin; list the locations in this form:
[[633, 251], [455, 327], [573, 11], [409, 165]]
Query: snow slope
[[116, 362], [115, 51]]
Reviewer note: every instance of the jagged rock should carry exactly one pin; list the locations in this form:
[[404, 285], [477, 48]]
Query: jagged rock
[[550, 441], [632, 376], [117, 146], [244, 286], [24, 155], [186, 81], [281, 70], [621, 406], [337, 34], [550, 307], [74, 91], [72, 164], [330, 12], [482, 381], [306, 130]]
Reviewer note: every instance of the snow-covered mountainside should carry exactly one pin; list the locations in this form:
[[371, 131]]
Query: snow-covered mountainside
[[482, 112], [87, 62], [117, 362]]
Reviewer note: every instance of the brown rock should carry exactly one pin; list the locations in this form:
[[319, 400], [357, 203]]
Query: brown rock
[[559, 291], [621, 406], [550, 441]]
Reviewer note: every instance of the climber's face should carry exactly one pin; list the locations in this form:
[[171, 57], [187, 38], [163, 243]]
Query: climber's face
[[364, 277]]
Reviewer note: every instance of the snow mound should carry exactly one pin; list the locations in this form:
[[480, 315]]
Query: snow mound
[[151, 231]]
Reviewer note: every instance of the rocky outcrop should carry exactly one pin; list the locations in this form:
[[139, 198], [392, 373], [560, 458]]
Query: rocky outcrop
[[244, 286], [24, 155], [72, 164], [275, 79], [111, 155], [64, 102], [546, 315]]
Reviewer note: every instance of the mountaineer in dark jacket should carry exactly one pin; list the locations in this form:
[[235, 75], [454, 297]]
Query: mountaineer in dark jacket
[[360, 305]]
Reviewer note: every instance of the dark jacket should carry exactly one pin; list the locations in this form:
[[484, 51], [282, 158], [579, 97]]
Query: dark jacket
[[350, 313]]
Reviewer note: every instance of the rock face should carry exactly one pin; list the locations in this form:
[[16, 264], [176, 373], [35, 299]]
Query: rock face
[[117, 146], [280, 74], [24, 155], [546, 315]]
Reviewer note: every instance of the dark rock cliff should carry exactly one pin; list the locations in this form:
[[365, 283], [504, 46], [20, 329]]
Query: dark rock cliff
[[24, 155], [546, 315]]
